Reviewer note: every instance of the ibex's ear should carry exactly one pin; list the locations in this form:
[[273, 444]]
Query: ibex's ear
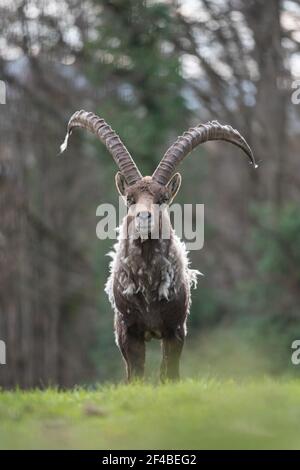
[[120, 183], [174, 185]]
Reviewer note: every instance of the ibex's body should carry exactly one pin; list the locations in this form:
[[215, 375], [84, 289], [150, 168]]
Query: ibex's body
[[150, 282], [150, 291]]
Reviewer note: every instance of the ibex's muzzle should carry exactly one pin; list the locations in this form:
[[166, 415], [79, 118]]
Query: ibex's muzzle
[[144, 216], [144, 223]]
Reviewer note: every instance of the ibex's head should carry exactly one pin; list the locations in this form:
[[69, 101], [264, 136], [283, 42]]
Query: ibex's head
[[143, 194], [147, 202]]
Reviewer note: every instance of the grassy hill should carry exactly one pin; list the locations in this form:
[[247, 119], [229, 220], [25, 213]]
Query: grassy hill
[[193, 414]]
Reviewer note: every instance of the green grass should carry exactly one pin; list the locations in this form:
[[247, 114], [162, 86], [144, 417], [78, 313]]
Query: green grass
[[193, 414]]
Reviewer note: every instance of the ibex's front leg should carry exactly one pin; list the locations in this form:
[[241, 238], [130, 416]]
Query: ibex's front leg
[[171, 350], [132, 347]]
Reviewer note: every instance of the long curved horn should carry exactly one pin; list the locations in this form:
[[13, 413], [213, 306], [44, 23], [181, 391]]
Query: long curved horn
[[110, 139], [190, 139]]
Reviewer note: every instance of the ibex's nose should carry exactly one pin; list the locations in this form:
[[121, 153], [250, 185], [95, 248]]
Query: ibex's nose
[[144, 216]]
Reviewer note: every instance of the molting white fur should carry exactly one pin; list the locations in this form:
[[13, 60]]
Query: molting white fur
[[159, 279]]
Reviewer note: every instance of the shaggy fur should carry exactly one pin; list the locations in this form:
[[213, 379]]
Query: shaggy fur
[[149, 288]]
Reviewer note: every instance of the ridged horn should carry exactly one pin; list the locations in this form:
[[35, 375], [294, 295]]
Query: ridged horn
[[109, 138], [192, 138]]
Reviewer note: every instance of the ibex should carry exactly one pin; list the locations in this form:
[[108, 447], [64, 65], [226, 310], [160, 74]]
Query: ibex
[[150, 282]]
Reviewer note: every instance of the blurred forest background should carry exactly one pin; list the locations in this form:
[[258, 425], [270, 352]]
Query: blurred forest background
[[151, 69]]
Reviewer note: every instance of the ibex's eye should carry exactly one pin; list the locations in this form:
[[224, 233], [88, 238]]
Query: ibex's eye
[[130, 200], [164, 199]]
